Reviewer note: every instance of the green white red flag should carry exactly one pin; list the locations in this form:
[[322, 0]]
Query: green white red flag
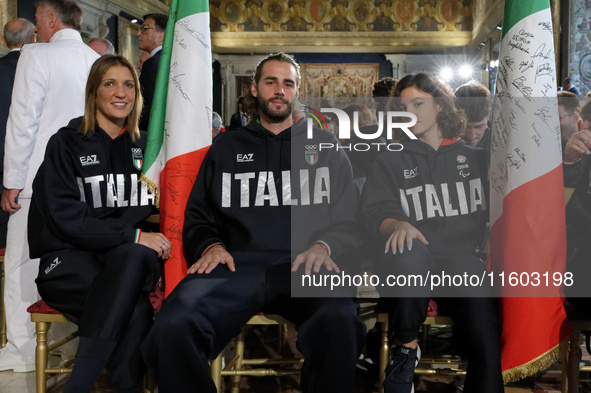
[[180, 127], [527, 209]]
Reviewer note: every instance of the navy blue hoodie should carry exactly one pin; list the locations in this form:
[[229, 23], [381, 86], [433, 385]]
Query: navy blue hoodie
[[257, 192], [86, 193], [440, 192]]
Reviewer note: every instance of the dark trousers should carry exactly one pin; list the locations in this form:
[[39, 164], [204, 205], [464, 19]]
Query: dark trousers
[[205, 312], [476, 319], [107, 296]]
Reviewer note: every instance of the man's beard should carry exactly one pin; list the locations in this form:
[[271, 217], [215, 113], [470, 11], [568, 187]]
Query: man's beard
[[274, 116]]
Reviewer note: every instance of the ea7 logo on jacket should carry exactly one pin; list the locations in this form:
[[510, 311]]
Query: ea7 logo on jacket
[[89, 160], [53, 265], [410, 173], [248, 157]]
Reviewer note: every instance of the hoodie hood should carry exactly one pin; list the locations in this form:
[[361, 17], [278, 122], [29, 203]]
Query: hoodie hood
[[255, 128], [416, 146]]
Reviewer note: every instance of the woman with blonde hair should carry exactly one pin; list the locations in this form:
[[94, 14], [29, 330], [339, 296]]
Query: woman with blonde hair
[[86, 220]]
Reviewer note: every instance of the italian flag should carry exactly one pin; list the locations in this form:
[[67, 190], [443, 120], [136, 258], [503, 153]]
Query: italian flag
[[180, 127], [527, 209]]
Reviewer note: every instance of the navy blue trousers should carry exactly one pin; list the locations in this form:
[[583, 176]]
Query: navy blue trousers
[[477, 325], [107, 296], [204, 312]]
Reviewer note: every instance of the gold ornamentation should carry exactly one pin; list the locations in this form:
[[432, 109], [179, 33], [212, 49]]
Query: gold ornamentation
[[329, 42], [339, 80], [540, 363]]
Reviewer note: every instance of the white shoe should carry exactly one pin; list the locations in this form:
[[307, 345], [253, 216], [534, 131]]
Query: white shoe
[[11, 361]]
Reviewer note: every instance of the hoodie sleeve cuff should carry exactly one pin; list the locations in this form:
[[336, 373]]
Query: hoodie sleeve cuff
[[386, 220], [572, 162], [138, 235], [325, 246], [212, 245]]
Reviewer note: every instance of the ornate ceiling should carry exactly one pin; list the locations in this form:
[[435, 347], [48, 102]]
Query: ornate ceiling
[[384, 26], [391, 26]]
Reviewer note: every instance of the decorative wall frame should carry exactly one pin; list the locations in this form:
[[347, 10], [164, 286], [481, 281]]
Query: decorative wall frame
[[339, 80]]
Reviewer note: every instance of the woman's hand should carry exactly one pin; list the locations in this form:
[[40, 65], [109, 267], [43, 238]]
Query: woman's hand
[[157, 242], [213, 257], [401, 232]]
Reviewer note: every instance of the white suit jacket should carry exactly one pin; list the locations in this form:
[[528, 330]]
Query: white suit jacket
[[48, 92]]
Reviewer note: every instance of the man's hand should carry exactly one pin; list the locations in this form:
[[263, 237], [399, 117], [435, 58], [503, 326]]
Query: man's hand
[[157, 242], [213, 257], [401, 232], [577, 145], [9, 204], [315, 257]]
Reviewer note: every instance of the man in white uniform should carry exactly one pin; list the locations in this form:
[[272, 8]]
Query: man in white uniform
[[48, 91]]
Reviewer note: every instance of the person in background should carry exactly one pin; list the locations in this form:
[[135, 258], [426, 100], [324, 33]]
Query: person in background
[[48, 92], [87, 224], [239, 118], [143, 57], [102, 46], [361, 161], [381, 93], [568, 113], [216, 125], [17, 33], [150, 36], [577, 174], [474, 99], [383, 89], [567, 85]]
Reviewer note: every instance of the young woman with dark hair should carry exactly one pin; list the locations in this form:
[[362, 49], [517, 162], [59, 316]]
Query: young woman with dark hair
[[428, 203]]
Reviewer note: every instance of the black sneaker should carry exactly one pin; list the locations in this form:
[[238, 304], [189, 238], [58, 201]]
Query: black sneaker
[[401, 370]]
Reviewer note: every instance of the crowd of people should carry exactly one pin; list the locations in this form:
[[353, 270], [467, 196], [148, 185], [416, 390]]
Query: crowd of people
[[76, 218]]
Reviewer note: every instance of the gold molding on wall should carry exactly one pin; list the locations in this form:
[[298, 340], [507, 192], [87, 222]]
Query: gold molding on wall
[[487, 16], [141, 7], [391, 42]]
